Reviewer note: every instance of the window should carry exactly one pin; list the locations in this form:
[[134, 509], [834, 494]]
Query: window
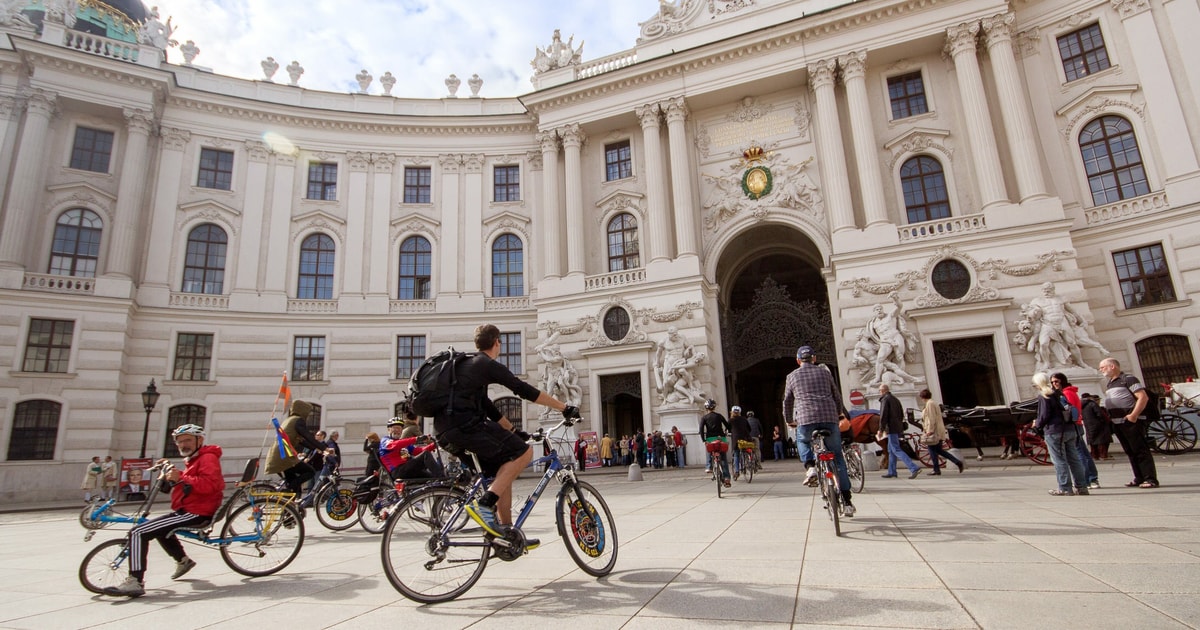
[[510, 351], [34, 430], [417, 184], [410, 354], [1083, 52], [322, 181], [316, 268], [924, 185], [193, 357], [76, 247], [907, 93], [1165, 359], [1112, 160], [506, 182], [951, 279], [1144, 276], [313, 421], [510, 406], [48, 346], [216, 169], [204, 267], [616, 323], [507, 267], [618, 161], [92, 150], [416, 265], [623, 243], [308, 359], [178, 416]]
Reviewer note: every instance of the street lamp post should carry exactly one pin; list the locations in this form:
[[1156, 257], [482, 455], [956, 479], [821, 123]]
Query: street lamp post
[[149, 400]]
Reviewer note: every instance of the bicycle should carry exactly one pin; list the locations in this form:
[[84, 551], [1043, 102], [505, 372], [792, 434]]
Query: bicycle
[[827, 481], [717, 447], [747, 461], [258, 538], [334, 502], [854, 465], [433, 552]]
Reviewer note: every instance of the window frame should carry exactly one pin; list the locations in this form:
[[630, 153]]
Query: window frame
[[188, 374], [216, 172], [511, 353], [908, 210], [623, 165], [506, 188], [208, 268], [907, 97], [416, 263], [40, 433], [55, 352], [1083, 55], [507, 405], [422, 191], [1152, 373], [1109, 142], [1120, 282], [326, 189], [309, 358], [505, 275], [92, 152], [76, 257], [174, 421], [414, 359], [319, 279]]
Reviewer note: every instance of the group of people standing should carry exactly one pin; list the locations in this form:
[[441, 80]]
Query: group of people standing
[[649, 450], [100, 479]]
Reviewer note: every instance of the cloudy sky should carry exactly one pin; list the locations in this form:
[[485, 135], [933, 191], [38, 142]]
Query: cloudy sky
[[420, 42]]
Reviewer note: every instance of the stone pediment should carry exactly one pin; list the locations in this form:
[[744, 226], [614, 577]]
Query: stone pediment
[[415, 223], [506, 222], [319, 220], [208, 210], [620, 200]]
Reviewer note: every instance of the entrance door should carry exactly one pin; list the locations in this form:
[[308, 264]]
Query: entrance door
[[967, 372], [621, 398]]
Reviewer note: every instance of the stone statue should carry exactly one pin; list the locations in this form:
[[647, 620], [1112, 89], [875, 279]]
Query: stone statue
[[452, 83], [10, 15], [674, 362], [1053, 331], [883, 346], [559, 377], [64, 11], [294, 71], [557, 54], [474, 83], [364, 79], [155, 33], [189, 50], [388, 81], [269, 67], [681, 382]]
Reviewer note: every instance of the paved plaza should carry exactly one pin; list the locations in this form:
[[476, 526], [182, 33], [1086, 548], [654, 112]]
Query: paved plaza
[[985, 549]]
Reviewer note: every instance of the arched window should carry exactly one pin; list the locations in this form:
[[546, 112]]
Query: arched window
[[924, 184], [204, 267], [1112, 160], [76, 243], [508, 266], [416, 264], [623, 243], [34, 430], [317, 254], [510, 406], [1165, 359], [178, 416]]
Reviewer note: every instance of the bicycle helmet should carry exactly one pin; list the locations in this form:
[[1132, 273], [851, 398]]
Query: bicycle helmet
[[736, 409], [188, 429], [395, 421], [710, 404]]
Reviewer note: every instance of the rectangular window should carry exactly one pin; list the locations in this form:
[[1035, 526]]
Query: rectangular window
[[193, 357], [216, 169], [506, 181], [308, 359], [618, 161], [418, 181], [48, 346], [322, 181], [92, 150], [1083, 52], [510, 351], [1144, 276], [907, 93], [34, 430], [410, 354]]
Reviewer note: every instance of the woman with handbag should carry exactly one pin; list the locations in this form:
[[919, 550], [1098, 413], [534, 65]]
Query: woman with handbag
[[935, 432]]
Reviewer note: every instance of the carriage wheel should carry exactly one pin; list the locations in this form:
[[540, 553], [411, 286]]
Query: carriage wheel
[[1171, 434], [1032, 445], [920, 452]]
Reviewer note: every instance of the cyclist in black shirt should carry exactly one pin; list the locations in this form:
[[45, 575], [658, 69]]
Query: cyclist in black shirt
[[713, 428]]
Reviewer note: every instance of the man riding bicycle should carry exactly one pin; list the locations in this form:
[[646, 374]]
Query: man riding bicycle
[[812, 401], [195, 496], [408, 457], [713, 429]]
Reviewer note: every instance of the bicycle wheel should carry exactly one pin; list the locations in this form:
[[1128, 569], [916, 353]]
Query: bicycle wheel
[[854, 468], [336, 507], [716, 471], [271, 534], [829, 494], [1171, 434], [422, 563], [239, 496], [104, 566], [586, 526], [373, 517], [750, 465]]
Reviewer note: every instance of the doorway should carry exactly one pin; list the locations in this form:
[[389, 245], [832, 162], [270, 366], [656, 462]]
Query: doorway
[[967, 372], [621, 403]]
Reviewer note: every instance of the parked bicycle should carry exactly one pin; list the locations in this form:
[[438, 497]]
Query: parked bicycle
[[433, 552], [827, 481], [854, 465], [259, 537]]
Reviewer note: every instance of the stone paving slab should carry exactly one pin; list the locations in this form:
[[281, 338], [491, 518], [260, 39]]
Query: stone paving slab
[[984, 549]]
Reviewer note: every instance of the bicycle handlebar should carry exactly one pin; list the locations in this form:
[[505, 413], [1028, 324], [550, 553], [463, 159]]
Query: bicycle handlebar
[[543, 433]]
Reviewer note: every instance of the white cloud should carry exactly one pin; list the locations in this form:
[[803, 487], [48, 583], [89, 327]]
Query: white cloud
[[420, 42]]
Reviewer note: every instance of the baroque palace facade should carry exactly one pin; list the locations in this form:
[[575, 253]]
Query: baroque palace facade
[[933, 193]]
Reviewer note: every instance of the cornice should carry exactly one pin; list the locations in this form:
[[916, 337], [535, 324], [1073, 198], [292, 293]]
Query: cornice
[[97, 67]]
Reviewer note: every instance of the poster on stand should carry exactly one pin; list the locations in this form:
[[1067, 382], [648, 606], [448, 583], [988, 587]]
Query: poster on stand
[[135, 481], [593, 449]]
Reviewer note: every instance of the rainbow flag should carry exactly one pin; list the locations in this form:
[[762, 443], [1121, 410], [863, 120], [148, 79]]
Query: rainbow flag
[[286, 449]]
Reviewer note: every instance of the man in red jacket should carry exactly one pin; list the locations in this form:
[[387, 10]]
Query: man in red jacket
[[196, 495]]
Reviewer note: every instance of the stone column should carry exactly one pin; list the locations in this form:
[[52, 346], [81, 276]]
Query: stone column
[[534, 265], [448, 248], [659, 227], [551, 210], [379, 255], [1018, 128], [854, 69], [27, 178], [279, 243], [573, 139], [676, 111], [984, 156], [355, 269], [471, 256], [250, 240], [8, 106], [122, 247], [162, 236], [829, 146]]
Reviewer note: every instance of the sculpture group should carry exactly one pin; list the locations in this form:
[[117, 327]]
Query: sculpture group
[[558, 54], [1054, 332], [675, 361], [884, 347]]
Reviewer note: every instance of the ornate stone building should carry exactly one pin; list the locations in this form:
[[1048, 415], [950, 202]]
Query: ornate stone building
[[890, 181]]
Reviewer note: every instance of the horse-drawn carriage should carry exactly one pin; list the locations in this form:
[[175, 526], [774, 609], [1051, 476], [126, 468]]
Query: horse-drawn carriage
[[1011, 425], [1174, 431]]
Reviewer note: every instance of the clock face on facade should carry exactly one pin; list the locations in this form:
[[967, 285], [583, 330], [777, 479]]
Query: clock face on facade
[[757, 182]]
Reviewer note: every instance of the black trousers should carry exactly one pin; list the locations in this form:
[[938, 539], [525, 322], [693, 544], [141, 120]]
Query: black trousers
[[1132, 436]]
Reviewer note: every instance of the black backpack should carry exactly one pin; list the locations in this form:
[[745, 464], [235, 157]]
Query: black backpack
[[431, 390]]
